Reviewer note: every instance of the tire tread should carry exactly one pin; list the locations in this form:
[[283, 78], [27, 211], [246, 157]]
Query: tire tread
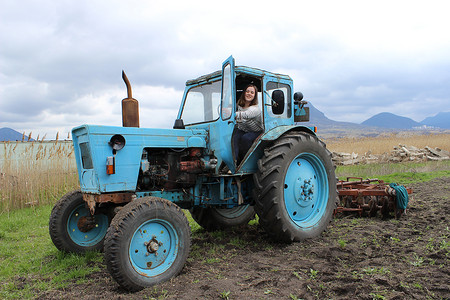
[[268, 205]]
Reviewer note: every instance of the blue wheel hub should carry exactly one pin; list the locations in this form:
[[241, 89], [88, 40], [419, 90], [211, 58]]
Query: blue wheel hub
[[306, 190], [84, 229], [153, 247]]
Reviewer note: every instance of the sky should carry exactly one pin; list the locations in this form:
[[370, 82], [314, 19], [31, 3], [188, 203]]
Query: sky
[[61, 61]]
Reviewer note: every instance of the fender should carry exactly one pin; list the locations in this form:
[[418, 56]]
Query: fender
[[276, 132]]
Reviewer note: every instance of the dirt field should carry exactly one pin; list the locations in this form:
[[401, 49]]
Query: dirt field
[[357, 258]]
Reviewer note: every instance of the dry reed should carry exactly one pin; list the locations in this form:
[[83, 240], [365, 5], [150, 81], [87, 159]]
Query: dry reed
[[386, 143], [35, 173]]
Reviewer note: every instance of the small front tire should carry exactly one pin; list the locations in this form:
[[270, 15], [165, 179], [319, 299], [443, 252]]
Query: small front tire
[[147, 243], [72, 227]]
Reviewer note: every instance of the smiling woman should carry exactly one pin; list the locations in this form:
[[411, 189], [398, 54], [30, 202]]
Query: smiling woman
[[248, 122]]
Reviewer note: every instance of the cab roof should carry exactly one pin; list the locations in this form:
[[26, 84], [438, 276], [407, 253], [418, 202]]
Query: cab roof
[[238, 69]]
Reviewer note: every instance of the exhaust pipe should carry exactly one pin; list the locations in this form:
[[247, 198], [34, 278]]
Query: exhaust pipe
[[130, 107]]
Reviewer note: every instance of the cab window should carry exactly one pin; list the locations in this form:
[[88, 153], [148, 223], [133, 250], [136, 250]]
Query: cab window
[[202, 103], [227, 93]]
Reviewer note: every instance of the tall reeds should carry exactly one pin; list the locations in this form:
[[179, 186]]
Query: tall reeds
[[35, 173], [386, 143]]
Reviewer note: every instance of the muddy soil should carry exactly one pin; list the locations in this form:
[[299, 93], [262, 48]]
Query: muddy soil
[[356, 258]]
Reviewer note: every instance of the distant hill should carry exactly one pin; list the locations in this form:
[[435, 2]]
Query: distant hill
[[328, 128], [441, 120], [318, 118], [392, 121], [8, 134]]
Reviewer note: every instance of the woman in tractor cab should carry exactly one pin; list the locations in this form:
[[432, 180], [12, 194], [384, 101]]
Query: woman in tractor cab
[[248, 122]]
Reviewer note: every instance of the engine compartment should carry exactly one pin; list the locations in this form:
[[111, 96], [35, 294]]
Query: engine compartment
[[169, 169]]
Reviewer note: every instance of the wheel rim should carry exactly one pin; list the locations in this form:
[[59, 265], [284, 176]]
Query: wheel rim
[[232, 213], [84, 234], [306, 190], [154, 247]]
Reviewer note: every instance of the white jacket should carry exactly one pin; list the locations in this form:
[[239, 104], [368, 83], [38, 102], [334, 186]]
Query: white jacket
[[249, 119]]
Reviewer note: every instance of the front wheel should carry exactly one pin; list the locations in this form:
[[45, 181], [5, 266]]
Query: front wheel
[[296, 188], [147, 243], [72, 227]]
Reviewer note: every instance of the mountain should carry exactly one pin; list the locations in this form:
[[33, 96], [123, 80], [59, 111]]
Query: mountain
[[328, 128], [392, 121], [441, 120], [318, 118], [8, 134]]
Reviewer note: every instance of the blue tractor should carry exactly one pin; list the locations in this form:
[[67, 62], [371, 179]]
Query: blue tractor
[[136, 181]]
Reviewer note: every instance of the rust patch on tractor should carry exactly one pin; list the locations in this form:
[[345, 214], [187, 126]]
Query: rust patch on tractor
[[86, 224], [92, 199]]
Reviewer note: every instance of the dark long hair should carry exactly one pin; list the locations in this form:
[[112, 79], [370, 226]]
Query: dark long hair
[[241, 101]]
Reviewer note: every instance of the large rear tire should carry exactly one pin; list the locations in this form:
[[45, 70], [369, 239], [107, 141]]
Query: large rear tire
[[73, 229], [147, 243], [296, 188], [212, 218]]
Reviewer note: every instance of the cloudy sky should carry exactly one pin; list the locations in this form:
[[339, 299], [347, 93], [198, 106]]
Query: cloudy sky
[[61, 61]]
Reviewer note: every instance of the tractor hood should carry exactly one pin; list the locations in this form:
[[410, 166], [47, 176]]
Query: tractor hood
[[97, 146]]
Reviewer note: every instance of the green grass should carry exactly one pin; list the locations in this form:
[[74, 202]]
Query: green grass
[[402, 173], [342, 243], [410, 177], [28, 259]]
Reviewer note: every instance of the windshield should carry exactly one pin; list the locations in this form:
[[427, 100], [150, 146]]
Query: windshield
[[202, 103]]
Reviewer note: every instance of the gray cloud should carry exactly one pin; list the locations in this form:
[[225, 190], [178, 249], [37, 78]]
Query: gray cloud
[[61, 62]]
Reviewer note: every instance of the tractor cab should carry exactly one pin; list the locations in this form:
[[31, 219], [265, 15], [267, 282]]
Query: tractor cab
[[210, 102]]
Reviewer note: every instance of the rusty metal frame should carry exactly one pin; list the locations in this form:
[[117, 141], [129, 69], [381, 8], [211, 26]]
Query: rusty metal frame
[[93, 199], [355, 191]]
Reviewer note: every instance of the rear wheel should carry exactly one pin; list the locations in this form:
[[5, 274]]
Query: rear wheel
[[296, 188], [212, 218], [73, 228], [147, 243]]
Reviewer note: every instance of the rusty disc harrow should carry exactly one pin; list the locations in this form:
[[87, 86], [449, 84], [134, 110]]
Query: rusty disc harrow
[[367, 197]]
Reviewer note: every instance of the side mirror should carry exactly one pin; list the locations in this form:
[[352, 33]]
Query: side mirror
[[298, 96], [301, 113], [278, 105]]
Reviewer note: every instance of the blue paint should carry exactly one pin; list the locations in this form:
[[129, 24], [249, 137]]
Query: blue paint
[[127, 160], [174, 196], [93, 236], [154, 247], [306, 190]]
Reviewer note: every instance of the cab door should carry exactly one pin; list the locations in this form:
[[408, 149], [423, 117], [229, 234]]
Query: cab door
[[227, 113]]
